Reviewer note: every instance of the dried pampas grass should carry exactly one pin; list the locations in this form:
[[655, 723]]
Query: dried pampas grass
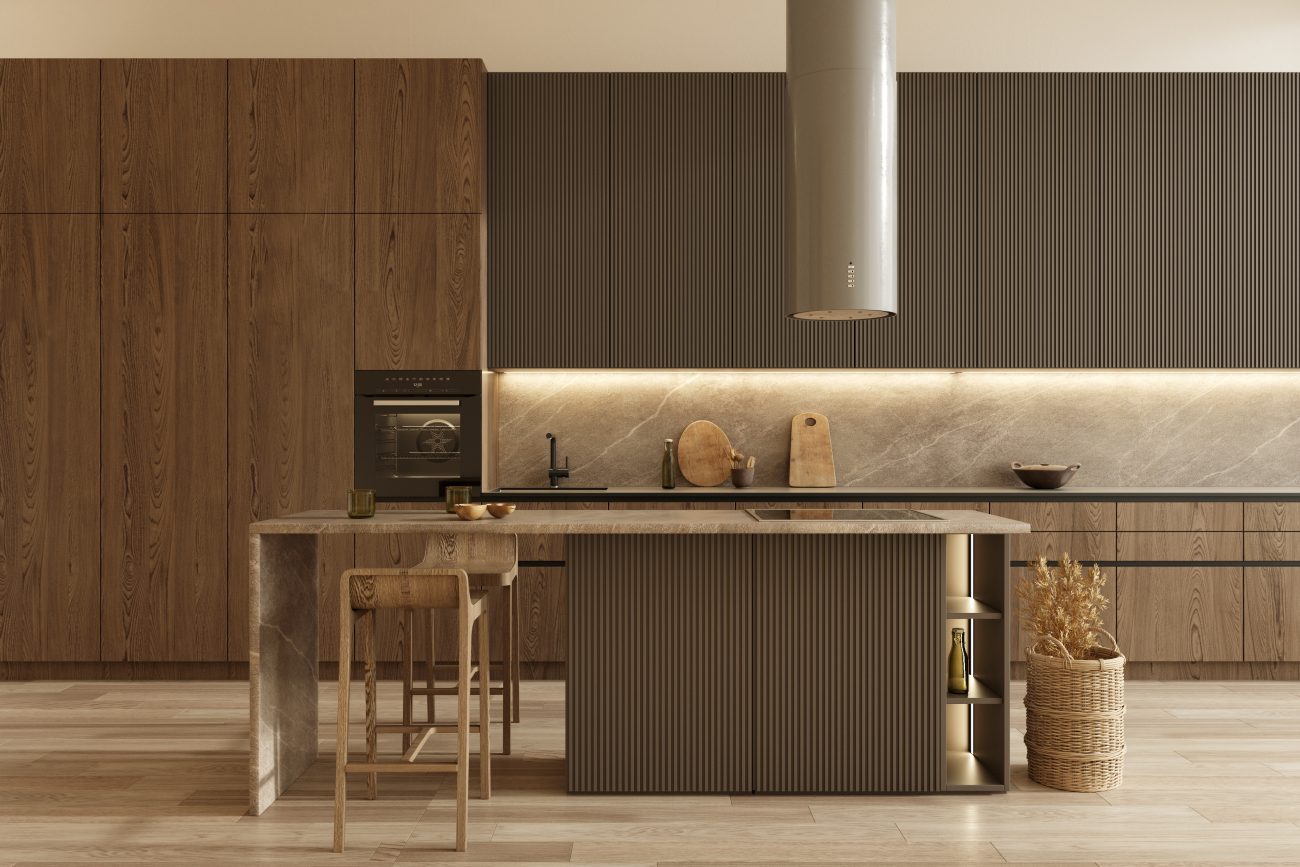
[[1064, 603]]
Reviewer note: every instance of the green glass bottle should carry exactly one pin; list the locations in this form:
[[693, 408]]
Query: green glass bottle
[[666, 475], [958, 670]]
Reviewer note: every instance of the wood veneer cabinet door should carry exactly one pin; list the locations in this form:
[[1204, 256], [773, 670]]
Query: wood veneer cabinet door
[[1087, 548], [548, 238], [49, 136], [49, 464], [164, 438], [163, 128], [1282, 517], [1213, 517], [290, 143], [421, 133], [670, 283], [1272, 613], [290, 385], [1079, 517], [419, 291]]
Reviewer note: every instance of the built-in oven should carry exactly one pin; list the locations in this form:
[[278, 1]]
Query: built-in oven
[[418, 431]]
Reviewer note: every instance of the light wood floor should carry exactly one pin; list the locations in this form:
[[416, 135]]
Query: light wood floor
[[155, 773]]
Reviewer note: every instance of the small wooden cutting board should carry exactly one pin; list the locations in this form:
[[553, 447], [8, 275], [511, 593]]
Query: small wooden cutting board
[[812, 463], [704, 454]]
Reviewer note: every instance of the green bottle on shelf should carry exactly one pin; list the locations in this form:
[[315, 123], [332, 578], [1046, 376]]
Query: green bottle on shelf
[[958, 670], [668, 476]]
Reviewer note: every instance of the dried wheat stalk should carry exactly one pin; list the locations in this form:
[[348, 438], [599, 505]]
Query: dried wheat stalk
[[1064, 603]]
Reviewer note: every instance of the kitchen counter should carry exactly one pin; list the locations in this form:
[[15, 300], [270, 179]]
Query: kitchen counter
[[626, 522], [691, 493], [691, 634]]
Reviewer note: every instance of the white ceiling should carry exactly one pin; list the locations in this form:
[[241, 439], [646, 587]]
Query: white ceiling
[[580, 35]]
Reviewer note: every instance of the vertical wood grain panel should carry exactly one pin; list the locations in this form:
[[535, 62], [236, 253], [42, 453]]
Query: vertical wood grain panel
[[421, 136], [1220, 517], [766, 336], [938, 241], [1272, 609], [1277, 517], [290, 386], [419, 292], [49, 136], [290, 143], [1177, 614], [49, 463], [163, 128], [1038, 223], [670, 220], [846, 698], [164, 438], [548, 218], [660, 641], [1081, 517]]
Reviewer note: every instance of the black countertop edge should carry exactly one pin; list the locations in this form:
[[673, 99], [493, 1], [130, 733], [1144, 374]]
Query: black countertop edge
[[930, 495]]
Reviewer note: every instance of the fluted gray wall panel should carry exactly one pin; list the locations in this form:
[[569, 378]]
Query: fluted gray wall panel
[[659, 668], [848, 662], [548, 224]]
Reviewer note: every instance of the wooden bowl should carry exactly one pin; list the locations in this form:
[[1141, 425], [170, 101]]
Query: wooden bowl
[[500, 510], [470, 511], [1044, 476]]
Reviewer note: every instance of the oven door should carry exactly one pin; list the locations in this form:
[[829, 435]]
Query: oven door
[[411, 448]]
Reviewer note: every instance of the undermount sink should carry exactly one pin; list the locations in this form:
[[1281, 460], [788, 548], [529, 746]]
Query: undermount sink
[[549, 488], [841, 515]]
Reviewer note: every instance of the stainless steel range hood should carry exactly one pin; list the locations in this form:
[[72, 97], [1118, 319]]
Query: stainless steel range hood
[[843, 201]]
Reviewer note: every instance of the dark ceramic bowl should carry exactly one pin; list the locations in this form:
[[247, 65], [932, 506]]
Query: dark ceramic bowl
[[1044, 476]]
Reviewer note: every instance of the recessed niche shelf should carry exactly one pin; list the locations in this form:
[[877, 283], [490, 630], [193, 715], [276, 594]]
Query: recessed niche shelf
[[965, 773], [967, 608], [980, 693]]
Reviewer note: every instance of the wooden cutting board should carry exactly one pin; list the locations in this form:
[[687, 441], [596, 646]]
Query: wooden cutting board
[[812, 464], [704, 454]]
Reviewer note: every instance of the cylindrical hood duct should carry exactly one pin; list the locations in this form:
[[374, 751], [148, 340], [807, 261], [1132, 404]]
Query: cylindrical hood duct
[[843, 199]]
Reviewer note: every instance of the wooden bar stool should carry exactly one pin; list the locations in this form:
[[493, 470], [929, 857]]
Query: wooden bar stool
[[492, 562], [429, 586]]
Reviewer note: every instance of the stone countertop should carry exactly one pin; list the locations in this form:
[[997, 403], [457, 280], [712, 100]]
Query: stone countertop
[[640, 522], [686, 493]]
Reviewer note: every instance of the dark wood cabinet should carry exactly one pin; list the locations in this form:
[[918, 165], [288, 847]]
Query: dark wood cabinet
[[164, 438], [290, 389], [548, 218], [163, 136], [290, 142], [419, 284], [49, 136], [421, 136], [50, 461]]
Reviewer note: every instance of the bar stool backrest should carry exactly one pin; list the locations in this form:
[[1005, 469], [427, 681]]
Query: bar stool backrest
[[410, 588]]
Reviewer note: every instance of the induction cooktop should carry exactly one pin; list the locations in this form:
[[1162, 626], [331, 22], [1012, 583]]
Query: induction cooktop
[[841, 515]]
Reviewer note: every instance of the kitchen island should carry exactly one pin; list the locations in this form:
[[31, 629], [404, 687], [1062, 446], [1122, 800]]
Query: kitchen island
[[709, 651]]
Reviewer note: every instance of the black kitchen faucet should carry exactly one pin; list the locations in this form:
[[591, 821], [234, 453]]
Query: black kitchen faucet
[[556, 472]]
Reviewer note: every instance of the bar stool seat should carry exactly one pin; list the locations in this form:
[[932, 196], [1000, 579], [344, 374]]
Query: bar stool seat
[[430, 586]]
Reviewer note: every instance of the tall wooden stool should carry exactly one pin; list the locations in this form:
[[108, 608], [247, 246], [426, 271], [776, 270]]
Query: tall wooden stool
[[492, 562], [429, 586]]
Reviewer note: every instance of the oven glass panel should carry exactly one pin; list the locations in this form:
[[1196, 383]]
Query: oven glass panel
[[418, 444]]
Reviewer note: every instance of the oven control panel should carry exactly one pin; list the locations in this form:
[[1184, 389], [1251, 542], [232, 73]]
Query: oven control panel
[[418, 382]]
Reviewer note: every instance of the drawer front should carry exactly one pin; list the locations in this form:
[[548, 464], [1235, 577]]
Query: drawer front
[[925, 507], [1085, 547], [674, 505], [1278, 517], [1060, 517], [1270, 545], [1179, 546], [1180, 517], [1273, 614], [1180, 614]]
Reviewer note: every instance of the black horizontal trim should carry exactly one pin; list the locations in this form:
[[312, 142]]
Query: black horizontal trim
[[1013, 495], [1171, 563], [541, 564]]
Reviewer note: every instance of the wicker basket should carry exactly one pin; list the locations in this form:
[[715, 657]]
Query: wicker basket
[[1074, 728]]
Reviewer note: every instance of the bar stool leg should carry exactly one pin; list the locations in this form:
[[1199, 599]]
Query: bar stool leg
[[430, 661], [407, 636], [341, 731], [515, 647], [366, 638], [506, 598], [463, 647], [485, 707]]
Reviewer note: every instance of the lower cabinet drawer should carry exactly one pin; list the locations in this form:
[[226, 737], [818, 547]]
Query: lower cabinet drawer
[[1085, 547], [1272, 614], [1180, 613]]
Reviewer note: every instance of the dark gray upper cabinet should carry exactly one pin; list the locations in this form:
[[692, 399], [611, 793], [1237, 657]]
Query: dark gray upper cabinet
[[1077, 220], [670, 298], [548, 230]]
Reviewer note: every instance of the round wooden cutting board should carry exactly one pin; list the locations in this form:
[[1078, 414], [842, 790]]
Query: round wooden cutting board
[[704, 454]]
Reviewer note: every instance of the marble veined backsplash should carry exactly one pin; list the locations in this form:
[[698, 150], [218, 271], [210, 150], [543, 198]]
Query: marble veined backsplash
[[916, 428]]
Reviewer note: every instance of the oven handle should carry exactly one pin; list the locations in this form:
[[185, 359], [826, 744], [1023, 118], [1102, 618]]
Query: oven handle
[[416, 403]]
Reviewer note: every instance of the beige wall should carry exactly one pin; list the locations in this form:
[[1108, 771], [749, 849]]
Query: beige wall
[[536, 35]]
